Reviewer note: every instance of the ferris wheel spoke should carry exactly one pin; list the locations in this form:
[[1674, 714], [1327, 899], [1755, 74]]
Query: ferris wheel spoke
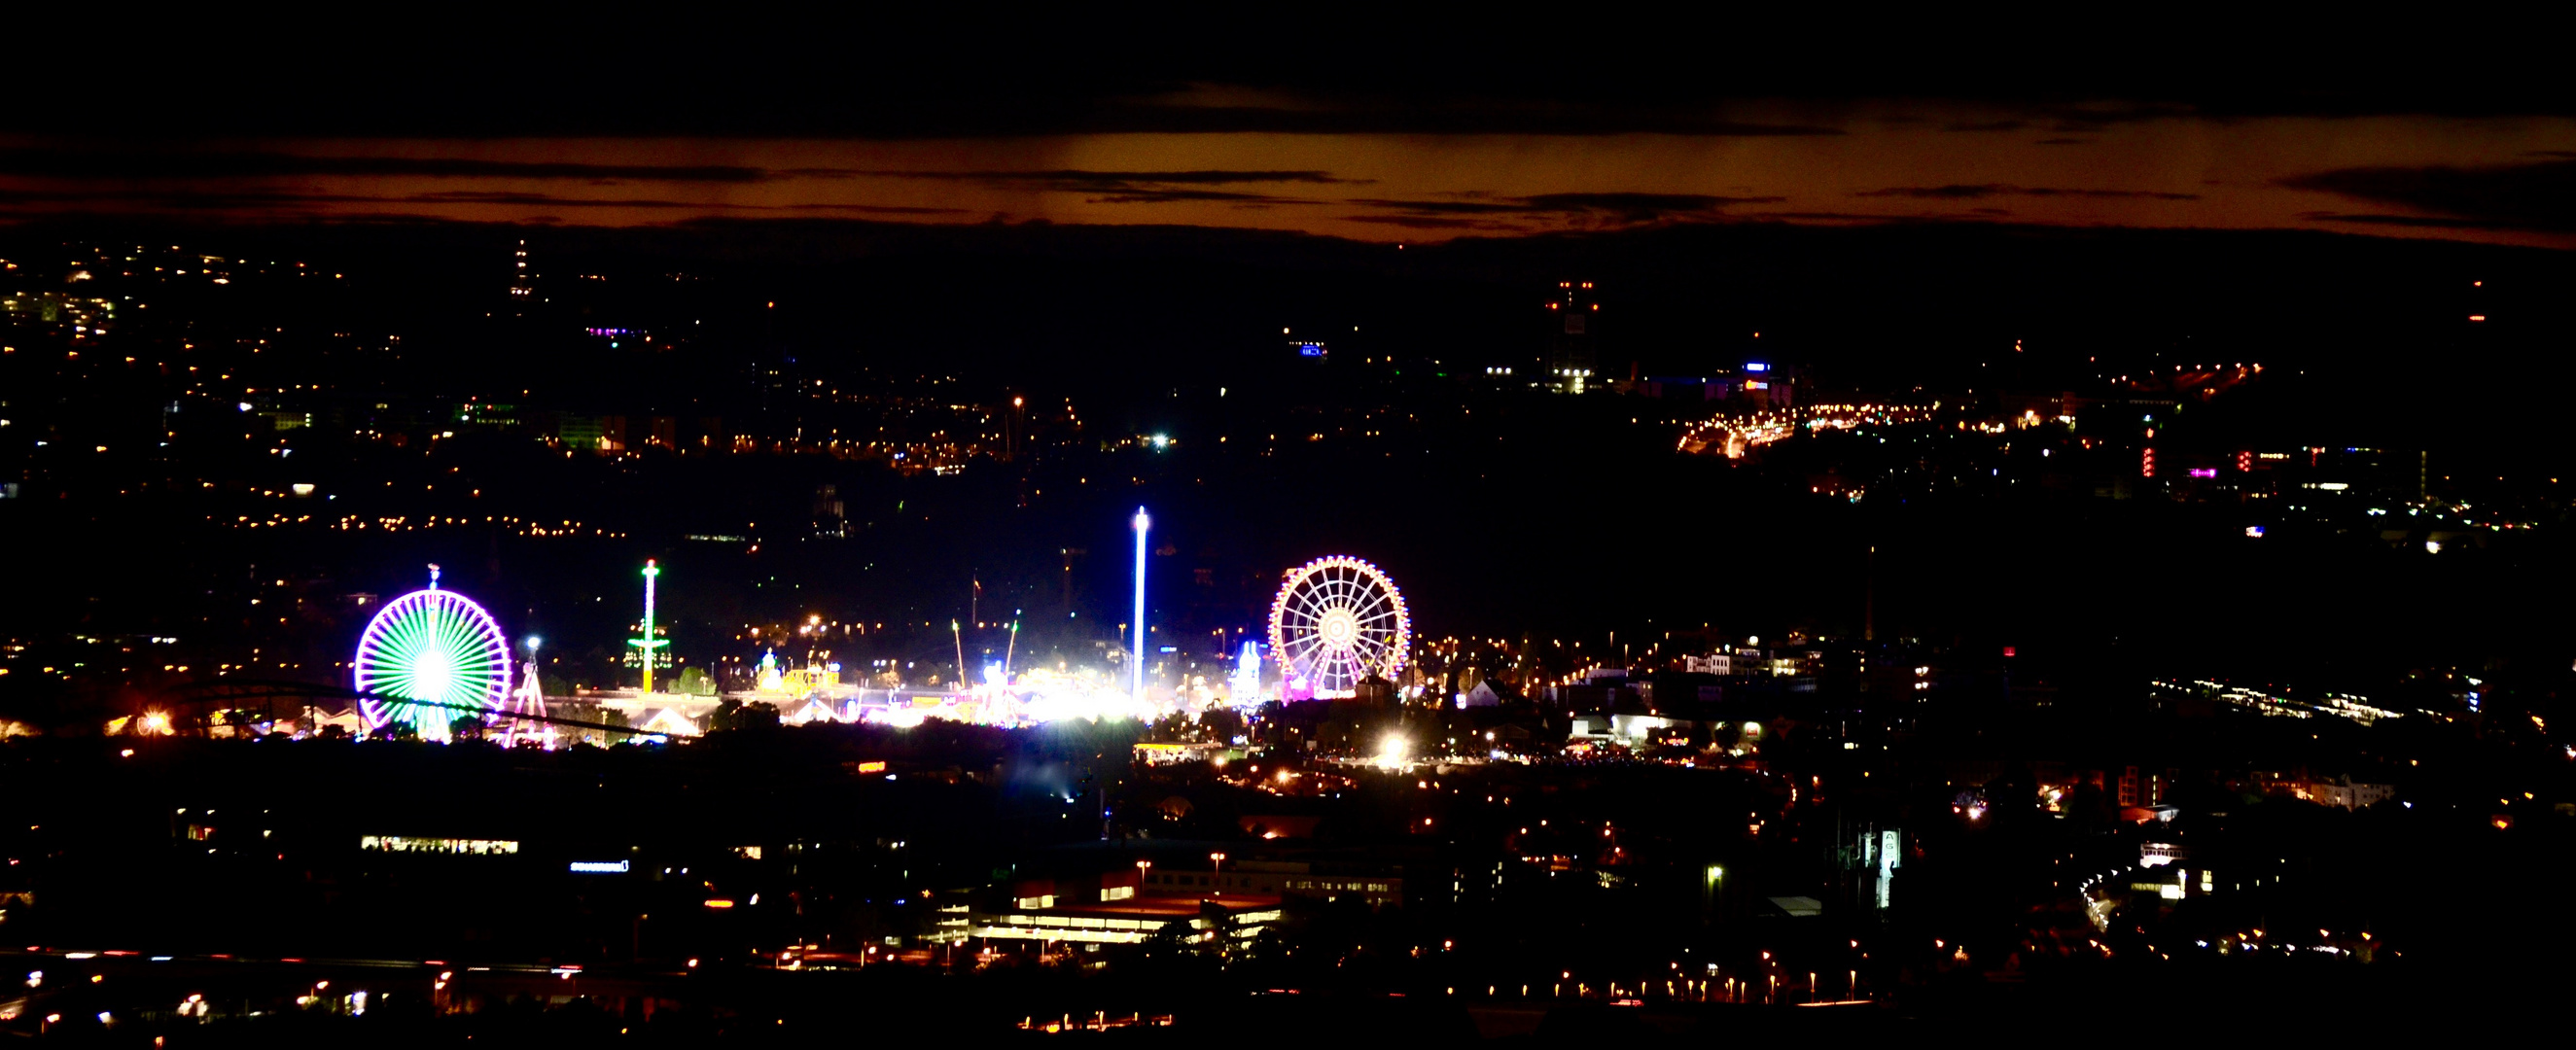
[[448, 634], [391, 637], [471, 651], [434, 631]]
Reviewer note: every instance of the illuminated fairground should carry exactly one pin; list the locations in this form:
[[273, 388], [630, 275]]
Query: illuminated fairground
[[435, 665], [815, 694]]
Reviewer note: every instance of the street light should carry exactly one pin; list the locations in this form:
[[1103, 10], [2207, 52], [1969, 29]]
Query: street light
[[1216, 862]]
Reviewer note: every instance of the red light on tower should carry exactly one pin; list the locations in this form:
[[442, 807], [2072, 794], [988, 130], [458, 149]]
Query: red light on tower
[[2147, 464]]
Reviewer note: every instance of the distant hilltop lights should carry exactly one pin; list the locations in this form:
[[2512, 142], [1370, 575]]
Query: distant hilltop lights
[[1734, 435]]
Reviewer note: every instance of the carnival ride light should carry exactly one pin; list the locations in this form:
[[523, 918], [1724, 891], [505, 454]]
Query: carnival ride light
[[431, 646], [1336, 621]]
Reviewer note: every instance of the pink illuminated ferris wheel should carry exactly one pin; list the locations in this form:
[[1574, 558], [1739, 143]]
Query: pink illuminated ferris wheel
[[1337, 621]]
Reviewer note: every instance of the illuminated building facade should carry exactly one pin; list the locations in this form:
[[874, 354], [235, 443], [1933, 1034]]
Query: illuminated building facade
[[1764, 385], [1574, 315], [465, 847], [1110, 911], [1372, 884]]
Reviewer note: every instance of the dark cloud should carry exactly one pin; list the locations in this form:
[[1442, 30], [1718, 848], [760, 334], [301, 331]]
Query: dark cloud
[[2419, 221], [2062, 142], [180, 200], [554, 201], [1439, 222], [2085, 119], [2536, 196], [147, 165], [823, 114], [541, 199], [876, 209], [1640, 207], [1068, 177], [289, 201], [1980, 191], [1125, 187], [1469, 117], [1619, 207], [1167, 196], [1113, 187], [1457, 207], [1989, 125], [1823, 216]]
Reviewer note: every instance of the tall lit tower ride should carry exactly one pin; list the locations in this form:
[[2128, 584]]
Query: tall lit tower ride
[[648, 646], [1143, 525]]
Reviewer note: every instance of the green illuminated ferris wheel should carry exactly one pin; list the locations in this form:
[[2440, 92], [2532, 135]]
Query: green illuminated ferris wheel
[[430, 647]]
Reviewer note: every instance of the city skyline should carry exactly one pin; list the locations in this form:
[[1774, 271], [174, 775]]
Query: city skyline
[[1578, 528]]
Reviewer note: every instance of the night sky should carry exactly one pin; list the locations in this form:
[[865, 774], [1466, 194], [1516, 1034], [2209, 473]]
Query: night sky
[[1343, 130]]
